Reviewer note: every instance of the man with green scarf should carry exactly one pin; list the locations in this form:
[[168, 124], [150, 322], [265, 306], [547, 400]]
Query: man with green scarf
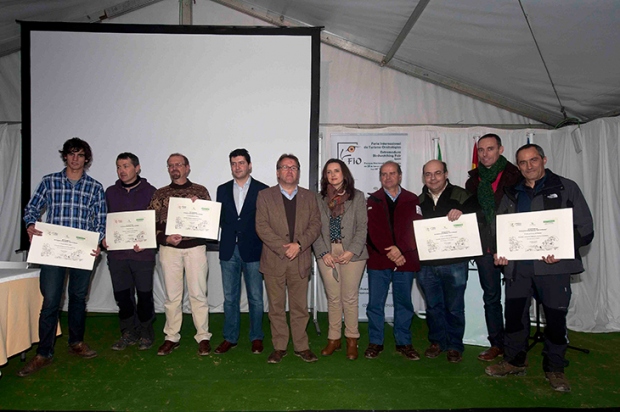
[[487, 182]]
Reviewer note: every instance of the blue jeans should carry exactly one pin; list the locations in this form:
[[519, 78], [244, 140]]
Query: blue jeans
[[231, 282], [378, 286], [491, 284], [444, 291], [52, 282]]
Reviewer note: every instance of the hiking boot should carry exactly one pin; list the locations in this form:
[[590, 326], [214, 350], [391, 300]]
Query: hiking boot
[[558, 381], [504, 368], [145, 344], [126, 340]]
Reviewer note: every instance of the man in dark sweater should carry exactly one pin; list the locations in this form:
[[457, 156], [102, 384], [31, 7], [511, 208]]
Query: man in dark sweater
[[443, 282], [487, 182], [132, 270], [179, 255]]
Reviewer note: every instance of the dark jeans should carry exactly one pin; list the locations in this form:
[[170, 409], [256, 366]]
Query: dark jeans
[[491, 284], [553, 292], [231, 282], [131, 278], [52, 282], [444, 292], [378, 287]]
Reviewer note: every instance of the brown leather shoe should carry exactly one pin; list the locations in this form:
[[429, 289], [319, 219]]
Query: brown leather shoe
[[257, 346], [167, 347], [307, 355], [34, 365], [224, 347], [204, 347], [490, 354], [408, 352], [82, 350], [454, 356], [276, 356], [373, 350], [351, 348], [332, 346], [433, 351]]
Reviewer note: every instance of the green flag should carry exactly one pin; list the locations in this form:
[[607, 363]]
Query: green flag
[[438, 151]]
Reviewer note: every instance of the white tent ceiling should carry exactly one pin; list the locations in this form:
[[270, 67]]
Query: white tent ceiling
[[482, 48]]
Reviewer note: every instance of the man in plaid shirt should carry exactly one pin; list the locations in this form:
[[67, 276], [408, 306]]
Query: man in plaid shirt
[[70, 198]]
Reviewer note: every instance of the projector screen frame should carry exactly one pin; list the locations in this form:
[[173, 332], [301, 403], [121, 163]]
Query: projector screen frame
[[27, 27]]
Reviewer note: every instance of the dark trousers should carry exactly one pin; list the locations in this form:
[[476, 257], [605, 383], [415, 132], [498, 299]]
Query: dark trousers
[[131, 278], [52, 284], [553, 292], [491, 284]]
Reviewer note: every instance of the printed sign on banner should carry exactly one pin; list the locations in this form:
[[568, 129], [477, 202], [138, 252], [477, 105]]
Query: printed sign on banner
[[364, 153]]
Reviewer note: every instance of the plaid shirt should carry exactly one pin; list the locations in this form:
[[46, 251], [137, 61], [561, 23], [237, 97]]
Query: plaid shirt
[[81, 206]]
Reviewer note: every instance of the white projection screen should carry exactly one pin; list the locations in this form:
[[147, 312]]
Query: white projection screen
[[202, 91]]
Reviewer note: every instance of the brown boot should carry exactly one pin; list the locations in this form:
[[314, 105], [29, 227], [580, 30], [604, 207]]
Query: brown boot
[[332, 346], [352, 348]]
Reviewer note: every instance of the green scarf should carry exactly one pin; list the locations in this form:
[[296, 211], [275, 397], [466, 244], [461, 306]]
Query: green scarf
[[486, 198]]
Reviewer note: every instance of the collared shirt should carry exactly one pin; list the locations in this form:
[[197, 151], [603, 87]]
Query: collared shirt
[[81, 205], [393, 197], [285, 193], [436, 197], [239, 193]]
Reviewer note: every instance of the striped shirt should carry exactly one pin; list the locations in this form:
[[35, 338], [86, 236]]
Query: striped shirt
[[81, 206]]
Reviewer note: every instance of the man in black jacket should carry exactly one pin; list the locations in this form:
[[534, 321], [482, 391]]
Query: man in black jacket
[[547, 279], [487, 182], [443, 281]]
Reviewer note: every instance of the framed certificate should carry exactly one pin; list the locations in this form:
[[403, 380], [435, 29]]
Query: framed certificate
[[532, 235], [63, 246], [193, 219], [126, 229], [438, 238]]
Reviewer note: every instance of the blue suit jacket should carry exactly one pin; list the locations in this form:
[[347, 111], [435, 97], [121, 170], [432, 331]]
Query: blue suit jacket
[[239, 228]]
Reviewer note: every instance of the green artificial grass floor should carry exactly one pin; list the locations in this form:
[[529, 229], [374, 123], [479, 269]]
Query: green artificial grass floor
[[239, 380]]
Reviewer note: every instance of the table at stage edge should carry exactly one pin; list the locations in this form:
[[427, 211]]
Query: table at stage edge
[[20, 306]]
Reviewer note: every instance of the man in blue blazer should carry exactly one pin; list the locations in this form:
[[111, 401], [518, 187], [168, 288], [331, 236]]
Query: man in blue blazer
[[240, 251]]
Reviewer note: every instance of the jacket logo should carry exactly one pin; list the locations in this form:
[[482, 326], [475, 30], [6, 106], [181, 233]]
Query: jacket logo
[[552, 196]]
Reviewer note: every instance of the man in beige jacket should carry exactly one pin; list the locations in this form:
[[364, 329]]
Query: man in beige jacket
[[287, 221]]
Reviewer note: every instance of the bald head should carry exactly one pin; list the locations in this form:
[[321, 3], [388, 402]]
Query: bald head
[[435, 174]]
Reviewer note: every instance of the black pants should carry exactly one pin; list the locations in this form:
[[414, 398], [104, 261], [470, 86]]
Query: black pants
[[553, 292], [131, 278]]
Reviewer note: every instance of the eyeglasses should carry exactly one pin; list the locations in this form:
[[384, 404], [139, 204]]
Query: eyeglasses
[[175, 165], [285, 168], [438, 173]]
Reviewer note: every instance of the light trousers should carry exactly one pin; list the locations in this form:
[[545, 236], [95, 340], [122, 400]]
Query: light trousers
[[193, 262], [342, 294]]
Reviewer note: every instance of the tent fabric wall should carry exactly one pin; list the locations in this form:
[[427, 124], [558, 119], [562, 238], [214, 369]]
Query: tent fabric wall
[[10, 88], [595, 305], [356, 91], [10, 184]]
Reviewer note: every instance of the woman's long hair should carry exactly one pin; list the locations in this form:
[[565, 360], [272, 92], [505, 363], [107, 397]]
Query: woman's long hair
[[348, 183]]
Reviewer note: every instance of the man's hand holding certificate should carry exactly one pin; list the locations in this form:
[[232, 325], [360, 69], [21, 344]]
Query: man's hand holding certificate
[[124, 230], [440, 238], [63, 246], [534, 235], [199, 218]]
